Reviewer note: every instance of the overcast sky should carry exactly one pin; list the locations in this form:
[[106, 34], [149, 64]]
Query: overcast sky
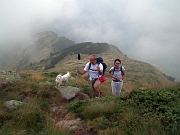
[[146, 30]]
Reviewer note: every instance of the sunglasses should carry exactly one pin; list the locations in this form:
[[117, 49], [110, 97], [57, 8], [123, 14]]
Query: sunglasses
[[117, 63]]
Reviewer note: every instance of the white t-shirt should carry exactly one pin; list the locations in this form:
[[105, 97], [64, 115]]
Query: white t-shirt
[[93, 73], [117, 72]]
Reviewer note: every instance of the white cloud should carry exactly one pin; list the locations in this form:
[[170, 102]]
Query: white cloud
[[147, 30]]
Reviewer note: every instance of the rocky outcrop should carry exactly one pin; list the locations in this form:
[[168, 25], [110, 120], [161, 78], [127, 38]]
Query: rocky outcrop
[[71, 125], [12, 104], [68, 92], [8, 77]]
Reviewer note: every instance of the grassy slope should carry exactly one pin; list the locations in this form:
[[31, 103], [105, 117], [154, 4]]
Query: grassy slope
[[138, 74], [44, 53], [35, 117], [149, 112], [39, 47]]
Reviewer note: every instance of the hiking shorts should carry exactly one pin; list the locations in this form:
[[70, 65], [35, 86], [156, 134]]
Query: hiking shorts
[[93, 81]]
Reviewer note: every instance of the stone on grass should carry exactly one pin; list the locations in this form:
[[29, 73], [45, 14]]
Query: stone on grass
[[68, 92], [12, 104]]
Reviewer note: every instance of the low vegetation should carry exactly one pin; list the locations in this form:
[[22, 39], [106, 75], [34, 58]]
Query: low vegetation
[[144, 112], [153, 111], [35, 117]]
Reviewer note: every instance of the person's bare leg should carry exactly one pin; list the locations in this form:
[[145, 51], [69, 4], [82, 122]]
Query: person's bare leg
[[96, 88]]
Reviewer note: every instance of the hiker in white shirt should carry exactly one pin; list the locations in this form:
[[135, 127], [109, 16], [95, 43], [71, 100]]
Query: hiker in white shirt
[[117, 73], [95, 71]]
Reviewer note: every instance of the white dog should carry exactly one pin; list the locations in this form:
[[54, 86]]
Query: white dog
[[62, 79]]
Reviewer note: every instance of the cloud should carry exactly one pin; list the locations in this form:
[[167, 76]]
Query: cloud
[[145, 30]]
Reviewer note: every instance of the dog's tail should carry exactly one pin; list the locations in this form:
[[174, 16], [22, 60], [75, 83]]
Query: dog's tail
[[58, 78]]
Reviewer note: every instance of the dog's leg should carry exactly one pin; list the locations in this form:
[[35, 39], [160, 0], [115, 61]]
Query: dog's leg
[[60, 82], [57, 84], [65, 84]]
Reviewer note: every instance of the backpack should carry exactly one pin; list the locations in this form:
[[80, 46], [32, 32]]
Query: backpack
[[120, 70], [100, 60]]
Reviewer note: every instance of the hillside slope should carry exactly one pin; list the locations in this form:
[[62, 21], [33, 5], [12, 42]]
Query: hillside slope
[[27, 51], [46, 51], [138, 74]]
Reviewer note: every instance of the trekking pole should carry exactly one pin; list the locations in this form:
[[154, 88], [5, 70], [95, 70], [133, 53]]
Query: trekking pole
[[79, 58]]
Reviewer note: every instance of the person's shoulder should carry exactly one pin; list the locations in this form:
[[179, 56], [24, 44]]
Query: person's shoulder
[[111, 68], [86, 68], [100, 64], [123, 68], [87, 64]]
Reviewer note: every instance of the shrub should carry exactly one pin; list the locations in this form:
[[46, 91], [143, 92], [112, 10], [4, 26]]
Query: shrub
[[98, 109], [142, 111]]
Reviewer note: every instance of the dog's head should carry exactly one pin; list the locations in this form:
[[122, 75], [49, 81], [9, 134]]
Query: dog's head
[[69, 74]]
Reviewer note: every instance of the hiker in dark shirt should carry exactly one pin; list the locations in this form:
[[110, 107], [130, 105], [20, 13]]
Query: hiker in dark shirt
[[117, 73]]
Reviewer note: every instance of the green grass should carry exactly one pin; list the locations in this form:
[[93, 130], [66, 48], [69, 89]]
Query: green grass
[[141, 112], [33, 117], [149, 112]]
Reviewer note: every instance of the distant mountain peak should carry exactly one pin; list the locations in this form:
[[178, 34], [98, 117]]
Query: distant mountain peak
[[47, 51], [46, 34]]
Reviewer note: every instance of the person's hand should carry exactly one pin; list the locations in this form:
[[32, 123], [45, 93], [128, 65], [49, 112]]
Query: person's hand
[[121, 80], [77, 70], [115, 77]]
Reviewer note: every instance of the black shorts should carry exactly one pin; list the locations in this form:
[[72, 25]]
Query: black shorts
[[93, 81]]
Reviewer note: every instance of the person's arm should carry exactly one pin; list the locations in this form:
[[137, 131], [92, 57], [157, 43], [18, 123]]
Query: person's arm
[[100, 69], [82, 72], [110, 73], [123, 75]]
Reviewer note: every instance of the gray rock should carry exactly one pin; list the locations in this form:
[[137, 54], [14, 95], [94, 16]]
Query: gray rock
[[57, 110], [73, 128], [84, 95], [68, 92], [9, 77], [12, 104], [44, 83], [71, 125]]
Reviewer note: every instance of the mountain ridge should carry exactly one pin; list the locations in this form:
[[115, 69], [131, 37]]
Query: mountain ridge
[[48, 52], [39, 47]]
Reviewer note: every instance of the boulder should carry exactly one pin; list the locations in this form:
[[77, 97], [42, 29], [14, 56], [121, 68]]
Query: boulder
[[86, 96], [68, 92], [8, 77], [71, 125], [12, 104]]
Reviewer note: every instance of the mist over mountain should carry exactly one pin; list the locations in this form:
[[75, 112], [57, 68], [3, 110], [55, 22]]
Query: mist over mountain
[[144, 30], [41, 38], [40, 46], [46, 51], [19, 54]]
